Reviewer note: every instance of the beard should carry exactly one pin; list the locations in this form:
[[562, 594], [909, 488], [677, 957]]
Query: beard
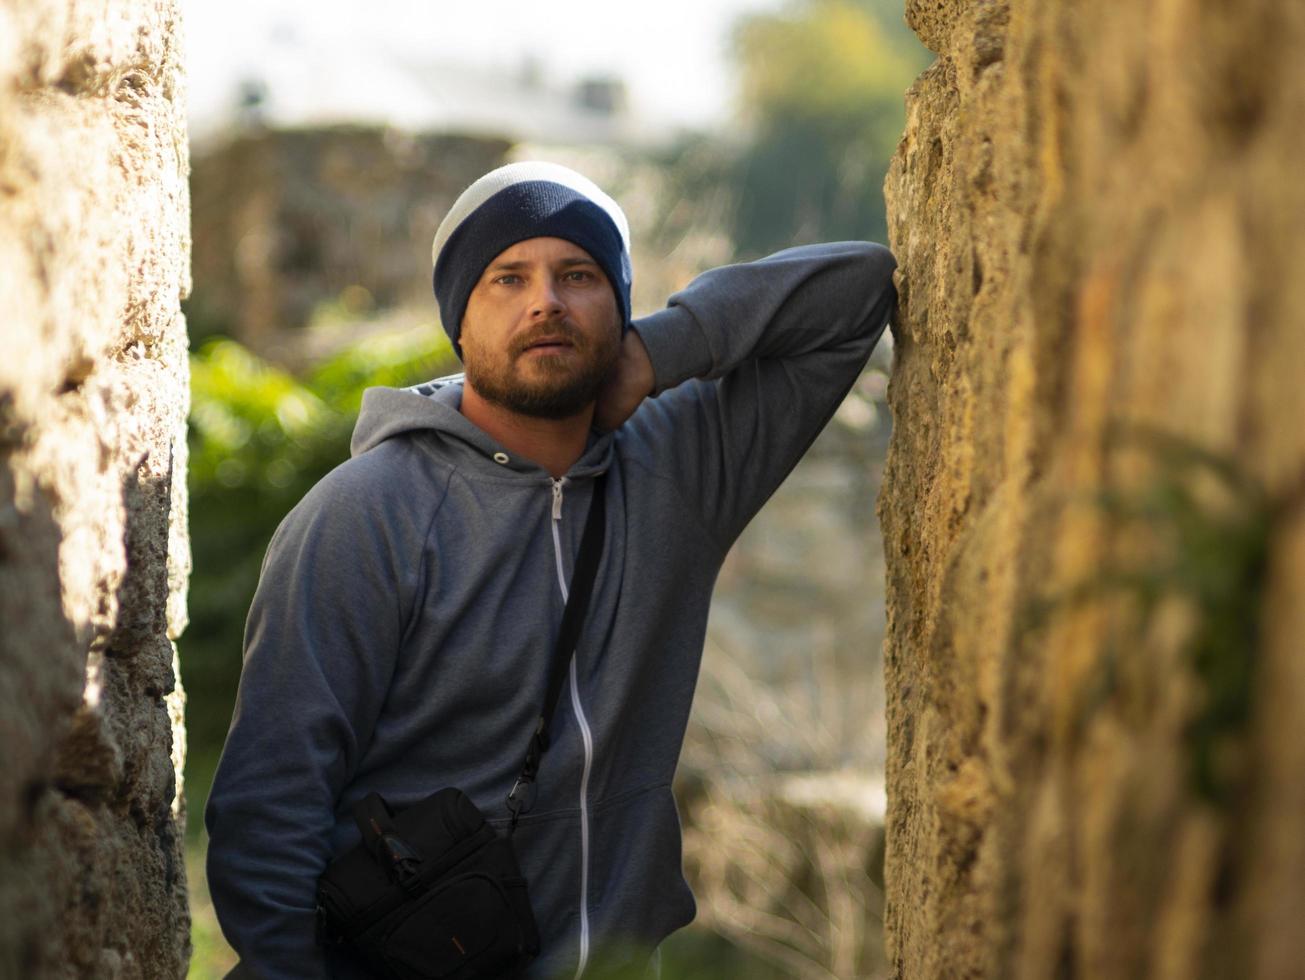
[[560, 386]]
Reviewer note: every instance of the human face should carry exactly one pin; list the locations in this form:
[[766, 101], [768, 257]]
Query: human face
[[541, 330]]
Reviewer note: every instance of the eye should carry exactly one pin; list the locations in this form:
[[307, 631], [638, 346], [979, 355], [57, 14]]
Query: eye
[[506, 279], [578, 275]]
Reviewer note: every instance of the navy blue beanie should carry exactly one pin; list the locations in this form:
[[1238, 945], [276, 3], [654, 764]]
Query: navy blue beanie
[[520, 201]]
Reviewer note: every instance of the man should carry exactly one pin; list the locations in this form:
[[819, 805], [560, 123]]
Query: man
[[400, 637]]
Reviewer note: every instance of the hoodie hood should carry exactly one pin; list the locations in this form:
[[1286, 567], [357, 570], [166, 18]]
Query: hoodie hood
[[435, 408]]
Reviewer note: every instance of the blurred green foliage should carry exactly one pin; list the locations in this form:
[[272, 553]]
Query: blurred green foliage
[[1211, 552], [259, 439], [822, 88], [822, 98], [1217, 558]]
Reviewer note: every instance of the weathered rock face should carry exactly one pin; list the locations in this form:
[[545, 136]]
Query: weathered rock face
[[94, 259], [1094, 507]]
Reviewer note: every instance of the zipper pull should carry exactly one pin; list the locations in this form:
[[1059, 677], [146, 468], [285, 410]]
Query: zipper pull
[[557, 498]]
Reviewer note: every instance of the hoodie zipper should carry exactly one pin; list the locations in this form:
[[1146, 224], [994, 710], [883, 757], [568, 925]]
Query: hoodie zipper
[[585, 734]]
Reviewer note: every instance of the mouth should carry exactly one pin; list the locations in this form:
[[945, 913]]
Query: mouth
[[548, 345]]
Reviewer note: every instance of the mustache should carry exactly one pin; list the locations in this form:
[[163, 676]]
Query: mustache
[[558, 327]]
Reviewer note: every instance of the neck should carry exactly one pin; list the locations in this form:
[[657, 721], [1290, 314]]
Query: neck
[[555, 444]]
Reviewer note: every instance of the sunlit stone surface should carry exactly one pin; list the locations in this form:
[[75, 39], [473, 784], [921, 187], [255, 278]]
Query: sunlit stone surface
[[94, 254], [1095, 687]]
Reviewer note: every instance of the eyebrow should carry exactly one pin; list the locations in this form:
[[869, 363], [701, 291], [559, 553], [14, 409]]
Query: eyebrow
[[570, 260]]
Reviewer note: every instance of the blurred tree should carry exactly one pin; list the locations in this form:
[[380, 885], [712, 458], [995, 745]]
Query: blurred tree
[[259, 439], [822, 86]]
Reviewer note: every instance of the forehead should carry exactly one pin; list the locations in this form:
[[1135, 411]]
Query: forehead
[[545, 250]]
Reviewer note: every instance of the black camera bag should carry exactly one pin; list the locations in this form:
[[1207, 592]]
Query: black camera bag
[[434, 892]]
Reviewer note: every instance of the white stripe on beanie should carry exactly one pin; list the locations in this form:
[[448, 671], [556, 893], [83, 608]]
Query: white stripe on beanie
[[515, 173]]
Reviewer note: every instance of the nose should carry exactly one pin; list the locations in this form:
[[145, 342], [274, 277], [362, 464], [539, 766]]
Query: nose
[[544, 300]]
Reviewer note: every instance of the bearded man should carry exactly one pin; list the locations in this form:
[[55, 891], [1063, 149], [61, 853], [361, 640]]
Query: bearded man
[[401, 634]]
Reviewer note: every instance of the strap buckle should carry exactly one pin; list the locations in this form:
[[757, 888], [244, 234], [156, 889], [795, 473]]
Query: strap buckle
[[520, 798], [404, 862]]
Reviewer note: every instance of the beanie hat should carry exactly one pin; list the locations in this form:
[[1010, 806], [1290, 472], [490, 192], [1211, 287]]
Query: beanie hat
[[520, 201]]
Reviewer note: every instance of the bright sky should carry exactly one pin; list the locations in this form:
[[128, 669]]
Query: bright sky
[[673, 54]]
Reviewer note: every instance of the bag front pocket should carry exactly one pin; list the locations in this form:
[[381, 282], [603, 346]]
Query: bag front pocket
[[465, 928]]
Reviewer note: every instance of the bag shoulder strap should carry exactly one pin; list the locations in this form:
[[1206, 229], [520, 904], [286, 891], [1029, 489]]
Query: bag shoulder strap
[[577, 603]]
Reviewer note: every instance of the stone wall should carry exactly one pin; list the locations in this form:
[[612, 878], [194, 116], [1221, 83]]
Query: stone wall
[[1094, 506], [94, 253]]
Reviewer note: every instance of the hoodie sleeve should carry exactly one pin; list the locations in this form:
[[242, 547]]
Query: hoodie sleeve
[[321, 643], [751, 361]]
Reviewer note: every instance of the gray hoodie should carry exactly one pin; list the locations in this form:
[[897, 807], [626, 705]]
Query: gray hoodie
[[400, 636]]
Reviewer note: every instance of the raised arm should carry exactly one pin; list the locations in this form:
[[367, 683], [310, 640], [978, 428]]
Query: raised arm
[[749, 362]]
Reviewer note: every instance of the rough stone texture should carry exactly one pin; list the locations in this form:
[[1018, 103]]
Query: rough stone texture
[[1095, 681], [94, 257]]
